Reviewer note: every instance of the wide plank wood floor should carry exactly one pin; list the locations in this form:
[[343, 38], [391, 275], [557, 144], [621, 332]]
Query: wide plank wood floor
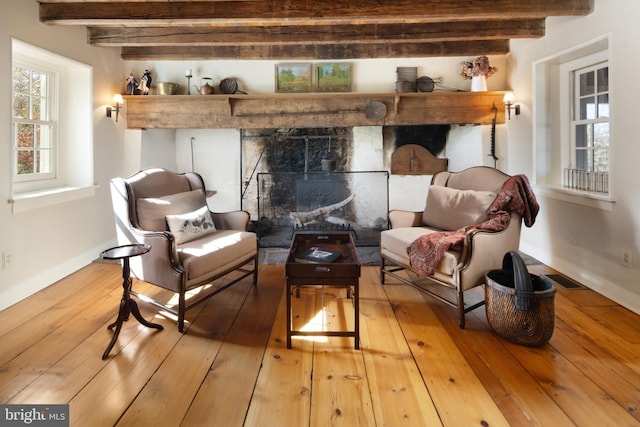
[[232, 368]]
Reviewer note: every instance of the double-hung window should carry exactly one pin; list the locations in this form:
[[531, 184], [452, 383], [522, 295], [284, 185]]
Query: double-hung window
[[34, 125], [590, 130]]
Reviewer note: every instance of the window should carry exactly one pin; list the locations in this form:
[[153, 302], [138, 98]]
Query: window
[[589, 167], [51, 117], [572, 133], [33, 122]]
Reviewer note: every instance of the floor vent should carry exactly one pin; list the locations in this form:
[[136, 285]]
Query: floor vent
[[566, 282]]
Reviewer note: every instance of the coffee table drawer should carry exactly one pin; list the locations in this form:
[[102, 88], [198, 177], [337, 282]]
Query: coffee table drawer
[[299, 271]]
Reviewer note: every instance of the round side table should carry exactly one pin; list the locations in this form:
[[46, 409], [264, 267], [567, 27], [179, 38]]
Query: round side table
[[127, 305]]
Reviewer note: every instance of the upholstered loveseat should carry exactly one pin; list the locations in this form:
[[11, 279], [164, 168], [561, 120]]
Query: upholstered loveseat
[[190, 245], [455, 200]]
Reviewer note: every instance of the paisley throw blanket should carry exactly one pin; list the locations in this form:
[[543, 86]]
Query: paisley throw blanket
[[515, 196]]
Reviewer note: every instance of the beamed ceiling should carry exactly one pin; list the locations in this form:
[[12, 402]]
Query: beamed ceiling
[[307, 29]]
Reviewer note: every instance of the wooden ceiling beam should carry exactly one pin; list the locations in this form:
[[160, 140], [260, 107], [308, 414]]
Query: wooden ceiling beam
[[307, 29], [315, 34], [336, 51], [305, 11]]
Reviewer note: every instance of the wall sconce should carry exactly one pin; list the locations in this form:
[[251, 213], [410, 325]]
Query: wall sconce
[[508, 102], [117, 100]]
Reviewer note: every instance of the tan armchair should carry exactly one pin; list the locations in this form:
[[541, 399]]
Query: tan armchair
[[455, 200], [190, 245]]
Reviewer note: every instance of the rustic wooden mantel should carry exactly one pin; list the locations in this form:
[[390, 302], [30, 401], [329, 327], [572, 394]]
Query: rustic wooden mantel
[[312, 110]]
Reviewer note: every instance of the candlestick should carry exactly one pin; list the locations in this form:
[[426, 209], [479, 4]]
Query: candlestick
[[188, 75]]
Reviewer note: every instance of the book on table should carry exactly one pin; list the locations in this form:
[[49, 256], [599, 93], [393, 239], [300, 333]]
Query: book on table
[[317, 255]]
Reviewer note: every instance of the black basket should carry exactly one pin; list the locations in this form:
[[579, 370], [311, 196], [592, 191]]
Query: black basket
[[520, 306]]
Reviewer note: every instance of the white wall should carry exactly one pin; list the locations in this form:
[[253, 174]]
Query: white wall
[[214, 154], [52, 242], [586, 243], [158, 149]]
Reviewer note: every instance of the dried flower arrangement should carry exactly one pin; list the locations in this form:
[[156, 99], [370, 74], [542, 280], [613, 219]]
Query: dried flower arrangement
[[478, 67]]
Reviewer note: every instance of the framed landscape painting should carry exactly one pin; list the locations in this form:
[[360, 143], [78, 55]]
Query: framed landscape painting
[[333, 77], [292, 78]]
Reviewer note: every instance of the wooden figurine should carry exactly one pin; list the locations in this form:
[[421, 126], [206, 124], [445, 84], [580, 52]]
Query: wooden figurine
[[145, 82], [131, 84]]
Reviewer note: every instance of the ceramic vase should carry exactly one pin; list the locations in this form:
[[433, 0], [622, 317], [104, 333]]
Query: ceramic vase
[[478, 84]]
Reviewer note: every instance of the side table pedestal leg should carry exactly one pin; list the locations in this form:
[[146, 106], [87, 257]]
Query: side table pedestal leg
[[118, 324], [136, 313], [127, 306]]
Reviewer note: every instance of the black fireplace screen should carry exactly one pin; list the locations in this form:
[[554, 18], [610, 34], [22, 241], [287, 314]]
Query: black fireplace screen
[[357, 202]]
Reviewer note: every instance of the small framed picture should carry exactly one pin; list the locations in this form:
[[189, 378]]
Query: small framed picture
[[333, 77], [292, 78]]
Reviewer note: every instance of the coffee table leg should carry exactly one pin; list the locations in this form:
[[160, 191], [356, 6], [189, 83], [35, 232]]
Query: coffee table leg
[[356, 310], [289, 326]]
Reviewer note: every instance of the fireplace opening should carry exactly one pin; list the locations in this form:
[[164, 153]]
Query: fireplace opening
[[301, 180], [317, 201], [314, 191], [431, 137], [322, 201]]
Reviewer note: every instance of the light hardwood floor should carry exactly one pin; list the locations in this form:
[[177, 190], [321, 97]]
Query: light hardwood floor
[[232, 368]]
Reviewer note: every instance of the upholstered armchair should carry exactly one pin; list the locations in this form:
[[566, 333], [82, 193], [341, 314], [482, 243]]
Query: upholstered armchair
[[190, 245], [468, 224]]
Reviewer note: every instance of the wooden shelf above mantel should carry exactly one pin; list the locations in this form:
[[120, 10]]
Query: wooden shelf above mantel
[[310, 110]]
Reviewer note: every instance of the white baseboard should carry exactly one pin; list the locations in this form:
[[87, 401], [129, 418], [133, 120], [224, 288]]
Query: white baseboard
[[602, 285], [33, 284]]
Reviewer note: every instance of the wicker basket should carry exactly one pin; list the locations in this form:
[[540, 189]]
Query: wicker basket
[[519, 305]]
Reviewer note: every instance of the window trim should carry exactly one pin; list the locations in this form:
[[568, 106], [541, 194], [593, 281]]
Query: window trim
[[74, 154], [551, 138], [601, 201], [40, 199]]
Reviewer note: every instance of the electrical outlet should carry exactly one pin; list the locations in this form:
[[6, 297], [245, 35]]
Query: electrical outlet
[[7, 259], [626, 259]]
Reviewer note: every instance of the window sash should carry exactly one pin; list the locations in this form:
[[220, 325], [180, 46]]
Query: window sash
[[33, 119], [590, 130]]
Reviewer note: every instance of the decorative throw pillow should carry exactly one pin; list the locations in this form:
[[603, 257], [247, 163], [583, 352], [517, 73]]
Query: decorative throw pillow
[[190, 226], [451, 209], [152, 211]]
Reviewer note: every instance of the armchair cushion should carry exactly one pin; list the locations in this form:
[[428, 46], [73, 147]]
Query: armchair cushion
[[215, 252], [451, 209], [152, 211], [396, 241], [191, 225]]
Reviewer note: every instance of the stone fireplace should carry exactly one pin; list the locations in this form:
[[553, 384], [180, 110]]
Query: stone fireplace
[[308, 180]]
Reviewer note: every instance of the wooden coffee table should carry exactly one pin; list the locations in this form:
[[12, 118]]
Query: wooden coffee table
[[344, 272]]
